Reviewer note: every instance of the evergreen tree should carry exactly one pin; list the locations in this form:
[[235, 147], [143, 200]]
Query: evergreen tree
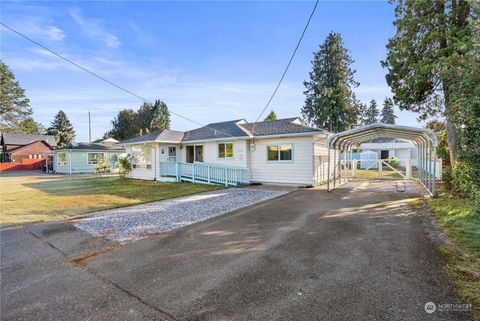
[[329, 96], [124, 125], [432, 40], [371, 115], [271, 116], [61, 129], [160, 116], [360, 110], [14, 106], [29, 126], [388, 113], [143, 119]]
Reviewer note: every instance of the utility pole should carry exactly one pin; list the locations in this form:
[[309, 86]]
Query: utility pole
[[89, 128]]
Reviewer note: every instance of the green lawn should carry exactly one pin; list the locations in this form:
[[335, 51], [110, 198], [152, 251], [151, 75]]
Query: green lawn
[[373, 173], [462, 249], [26, 199]]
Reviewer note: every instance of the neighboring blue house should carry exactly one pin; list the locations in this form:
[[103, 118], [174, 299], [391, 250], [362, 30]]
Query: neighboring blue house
[[84, 157]]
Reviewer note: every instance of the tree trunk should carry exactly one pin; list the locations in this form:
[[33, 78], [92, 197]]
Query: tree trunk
[[451, 140]]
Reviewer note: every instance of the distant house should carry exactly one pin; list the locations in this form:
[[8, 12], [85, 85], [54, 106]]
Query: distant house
[[283, 151], [17, 147], [386, 148], [84, 157]]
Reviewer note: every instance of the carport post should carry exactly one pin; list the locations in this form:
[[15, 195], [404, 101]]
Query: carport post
[[334, 166], [420, 161], [430, 166], [434, 169], [328, 168]]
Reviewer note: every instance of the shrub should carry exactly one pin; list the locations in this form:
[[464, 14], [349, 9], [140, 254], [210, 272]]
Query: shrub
[[464, 183], [394, 162], [124, 165], [102, 167], [447, 177]]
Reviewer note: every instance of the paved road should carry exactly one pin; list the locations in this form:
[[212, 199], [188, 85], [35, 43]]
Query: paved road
[[352, 254]]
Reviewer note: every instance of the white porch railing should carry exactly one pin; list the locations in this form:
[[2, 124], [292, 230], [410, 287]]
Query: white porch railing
[[205, 173]]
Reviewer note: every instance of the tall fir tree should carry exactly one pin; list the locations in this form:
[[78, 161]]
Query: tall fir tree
[[160, 116], [14, 106], [388, 113], [372, 112], [143, 119], [328, 93], [271, 116], [62, 129], [431, 41], [360, 109], [123, 125]]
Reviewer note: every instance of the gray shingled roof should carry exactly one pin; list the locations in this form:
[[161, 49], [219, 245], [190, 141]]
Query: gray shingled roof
[[95, 146], [279, 127], [166, 135], [227, 129], [19, 139], [224, 129]]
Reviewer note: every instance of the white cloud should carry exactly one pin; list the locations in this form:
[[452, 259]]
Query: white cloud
[[93, 28], [36, 27]]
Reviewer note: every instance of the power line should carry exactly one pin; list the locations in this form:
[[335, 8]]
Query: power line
[[104, 79], [288, 65]]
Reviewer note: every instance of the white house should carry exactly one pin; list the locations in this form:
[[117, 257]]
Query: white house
[[283, 151], [400, 149]]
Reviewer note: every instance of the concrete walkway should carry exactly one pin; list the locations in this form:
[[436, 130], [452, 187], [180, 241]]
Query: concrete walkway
[[351, 254]]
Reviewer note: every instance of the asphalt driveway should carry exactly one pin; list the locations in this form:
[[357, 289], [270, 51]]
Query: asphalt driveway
[[356, 253]]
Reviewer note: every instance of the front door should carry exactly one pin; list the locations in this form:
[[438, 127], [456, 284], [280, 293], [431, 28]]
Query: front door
[[172, 154]]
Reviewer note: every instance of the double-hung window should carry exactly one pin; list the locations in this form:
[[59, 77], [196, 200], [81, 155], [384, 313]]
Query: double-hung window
[[61, 159], [280, 153], [95, 158], [225, 150]]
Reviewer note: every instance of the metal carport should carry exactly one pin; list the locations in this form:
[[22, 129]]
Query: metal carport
[[425, 140]]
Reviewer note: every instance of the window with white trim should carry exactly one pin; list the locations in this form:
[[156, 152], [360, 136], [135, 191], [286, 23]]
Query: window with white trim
[[61, 159], [142, 157], [225, 150], [94, 158], [280, 153]]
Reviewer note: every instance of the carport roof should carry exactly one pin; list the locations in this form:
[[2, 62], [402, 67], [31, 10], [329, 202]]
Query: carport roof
[[362, 134]]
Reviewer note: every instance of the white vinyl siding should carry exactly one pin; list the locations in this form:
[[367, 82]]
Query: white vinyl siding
[[320, 152], [140, 151], [210, 153], [298, 171]]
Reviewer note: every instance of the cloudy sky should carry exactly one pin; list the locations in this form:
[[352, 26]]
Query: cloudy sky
[[209, 61]]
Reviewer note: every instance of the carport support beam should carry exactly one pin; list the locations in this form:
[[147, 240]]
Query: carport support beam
[[328, 168]]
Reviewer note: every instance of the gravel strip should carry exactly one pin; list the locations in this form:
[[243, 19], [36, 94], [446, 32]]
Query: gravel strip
[[136, 222]]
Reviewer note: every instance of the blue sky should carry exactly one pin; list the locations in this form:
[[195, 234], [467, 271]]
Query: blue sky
[[209, 61]]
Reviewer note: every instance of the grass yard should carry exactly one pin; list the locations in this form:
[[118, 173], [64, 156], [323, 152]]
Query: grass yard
[[462, 250], [373, 173], [36, 198]]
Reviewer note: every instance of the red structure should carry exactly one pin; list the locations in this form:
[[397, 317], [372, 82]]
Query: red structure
[[25, 152]]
